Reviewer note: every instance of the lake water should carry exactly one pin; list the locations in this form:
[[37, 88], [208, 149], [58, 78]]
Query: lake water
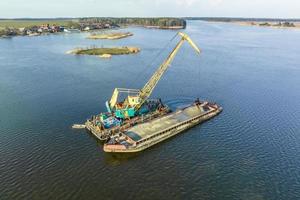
[[250, 151]]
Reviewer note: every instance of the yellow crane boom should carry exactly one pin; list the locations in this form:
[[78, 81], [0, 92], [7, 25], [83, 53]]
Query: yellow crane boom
[[146, 91], [136, 98]]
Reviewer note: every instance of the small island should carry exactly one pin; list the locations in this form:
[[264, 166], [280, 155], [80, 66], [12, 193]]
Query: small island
[[110, 36], [105, 52]]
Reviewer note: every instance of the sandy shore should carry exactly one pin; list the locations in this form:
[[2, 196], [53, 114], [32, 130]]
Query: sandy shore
[[166, 27], [110, 36]]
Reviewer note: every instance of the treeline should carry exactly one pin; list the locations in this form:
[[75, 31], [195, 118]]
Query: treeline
[[279, 24], [8, 32], [160, 22]]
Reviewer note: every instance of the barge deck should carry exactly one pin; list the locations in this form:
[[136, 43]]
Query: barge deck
[[93, 125], [143, 136]]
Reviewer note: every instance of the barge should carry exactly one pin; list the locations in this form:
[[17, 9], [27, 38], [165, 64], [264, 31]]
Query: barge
[[137, 122], [145, 135]]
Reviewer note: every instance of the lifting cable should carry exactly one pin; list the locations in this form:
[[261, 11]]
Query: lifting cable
[[143, 72]]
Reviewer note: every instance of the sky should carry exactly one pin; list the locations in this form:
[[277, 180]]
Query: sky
[[149, 8]]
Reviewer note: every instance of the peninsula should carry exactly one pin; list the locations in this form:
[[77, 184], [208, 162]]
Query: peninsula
[[110, 36]]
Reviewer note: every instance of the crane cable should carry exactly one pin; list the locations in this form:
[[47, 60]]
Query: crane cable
[[148, 67]]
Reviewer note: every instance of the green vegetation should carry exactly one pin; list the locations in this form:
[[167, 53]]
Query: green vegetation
[[30, 23], [110, 36], [6, 32], [34, 27], [40, 26], [279, 24], [288, 24], [265, 24], [2, 32], [159, 22], [101, 51]]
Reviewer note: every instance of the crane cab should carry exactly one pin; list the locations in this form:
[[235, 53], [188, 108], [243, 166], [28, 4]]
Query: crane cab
[[133, 100], [123, 109]]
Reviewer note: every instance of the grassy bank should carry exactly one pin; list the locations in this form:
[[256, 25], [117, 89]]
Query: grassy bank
[[30, 23], [101, 51]]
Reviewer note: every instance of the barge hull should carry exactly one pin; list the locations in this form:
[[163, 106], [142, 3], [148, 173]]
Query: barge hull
[[171, 131]]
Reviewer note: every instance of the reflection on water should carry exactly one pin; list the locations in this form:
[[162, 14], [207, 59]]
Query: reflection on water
[[115, 159], [180, 102]]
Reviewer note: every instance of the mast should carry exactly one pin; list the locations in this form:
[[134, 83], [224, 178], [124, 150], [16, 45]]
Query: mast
[[150, 85]]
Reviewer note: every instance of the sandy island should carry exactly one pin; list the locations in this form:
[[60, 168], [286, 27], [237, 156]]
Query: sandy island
[[105, 52], [110, 36]]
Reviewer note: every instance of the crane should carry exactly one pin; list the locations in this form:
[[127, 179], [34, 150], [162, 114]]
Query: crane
[[136, 98]]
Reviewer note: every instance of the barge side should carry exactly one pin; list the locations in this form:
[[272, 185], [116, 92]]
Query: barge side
[[146, 135]]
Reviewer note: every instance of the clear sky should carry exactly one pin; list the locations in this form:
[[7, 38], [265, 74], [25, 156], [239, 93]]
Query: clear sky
[[150, 8]]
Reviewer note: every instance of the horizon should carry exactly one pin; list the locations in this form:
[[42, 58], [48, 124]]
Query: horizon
[[282, 9], [187, 18]]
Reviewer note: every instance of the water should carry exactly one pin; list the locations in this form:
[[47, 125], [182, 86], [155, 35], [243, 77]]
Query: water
[[250, 151]]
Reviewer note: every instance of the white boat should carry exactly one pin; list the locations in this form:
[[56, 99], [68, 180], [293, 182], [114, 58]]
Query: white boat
[[78, 126]]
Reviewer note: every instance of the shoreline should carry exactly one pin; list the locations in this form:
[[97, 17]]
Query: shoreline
[[105, 52], [279, 25], [260, 23], [32, 27], [93, 37]]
